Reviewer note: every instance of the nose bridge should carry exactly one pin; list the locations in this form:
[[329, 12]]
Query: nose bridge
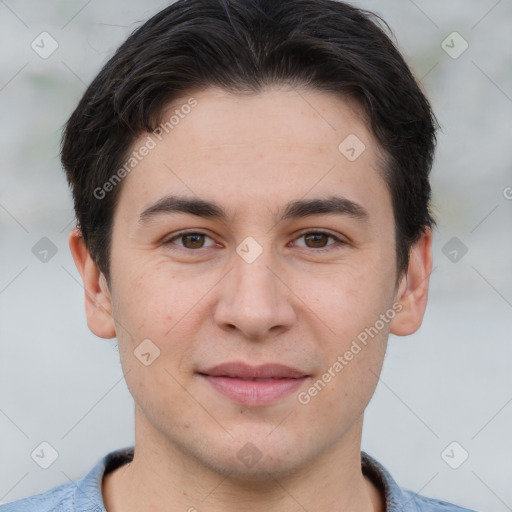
[[253, 299], [254, 281]]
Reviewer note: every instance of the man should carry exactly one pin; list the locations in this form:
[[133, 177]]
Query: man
[[251, 186]]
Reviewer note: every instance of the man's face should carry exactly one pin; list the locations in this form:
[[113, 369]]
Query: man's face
[[256, 287]]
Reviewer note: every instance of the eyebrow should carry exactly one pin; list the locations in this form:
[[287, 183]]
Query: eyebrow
[[293, 210]]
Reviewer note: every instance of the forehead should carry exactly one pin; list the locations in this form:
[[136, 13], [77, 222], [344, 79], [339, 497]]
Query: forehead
[[257, 151]]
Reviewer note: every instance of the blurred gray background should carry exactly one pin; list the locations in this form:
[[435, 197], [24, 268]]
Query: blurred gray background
[[449, 382]]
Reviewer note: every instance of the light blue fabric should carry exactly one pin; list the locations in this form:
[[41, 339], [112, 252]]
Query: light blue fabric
[[84, 495]]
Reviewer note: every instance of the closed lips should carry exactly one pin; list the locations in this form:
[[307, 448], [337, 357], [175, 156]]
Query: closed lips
[[265, 372]]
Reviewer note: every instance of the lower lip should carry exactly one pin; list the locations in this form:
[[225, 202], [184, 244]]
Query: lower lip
[[254, 392]]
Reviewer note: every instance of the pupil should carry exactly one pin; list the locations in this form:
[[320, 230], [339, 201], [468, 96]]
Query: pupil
[[316, 236], [194, 243]]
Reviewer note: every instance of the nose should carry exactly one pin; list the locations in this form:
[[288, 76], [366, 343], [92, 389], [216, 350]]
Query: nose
[[255, 299]]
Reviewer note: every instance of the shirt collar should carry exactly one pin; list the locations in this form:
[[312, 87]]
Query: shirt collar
[[88, 497], [394, 497]]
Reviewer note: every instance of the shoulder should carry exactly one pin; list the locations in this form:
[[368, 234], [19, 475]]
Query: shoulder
[[424, 504], [83, 495], [399, 499], [58, 499]]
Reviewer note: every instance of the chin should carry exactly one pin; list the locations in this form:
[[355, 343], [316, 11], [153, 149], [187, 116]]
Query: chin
[[254, 456], [265, 470]]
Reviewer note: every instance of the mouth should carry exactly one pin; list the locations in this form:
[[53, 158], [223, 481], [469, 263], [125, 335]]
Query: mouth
[[254, 385]]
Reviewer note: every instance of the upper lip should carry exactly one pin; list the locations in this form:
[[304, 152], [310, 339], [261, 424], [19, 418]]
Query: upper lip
[[245, 371]]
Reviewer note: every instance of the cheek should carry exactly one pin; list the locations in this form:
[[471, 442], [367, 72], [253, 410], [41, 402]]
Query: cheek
[[350, 307], [348, 381], [150, 299], [347, 301], [166, 306], [152, 386], [154, 338], [145, 310]]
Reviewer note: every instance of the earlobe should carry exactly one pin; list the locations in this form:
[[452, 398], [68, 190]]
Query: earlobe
[[98, 303], [413, 289]]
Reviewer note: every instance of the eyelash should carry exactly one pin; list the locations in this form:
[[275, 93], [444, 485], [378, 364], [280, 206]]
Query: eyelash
[[337, 244]]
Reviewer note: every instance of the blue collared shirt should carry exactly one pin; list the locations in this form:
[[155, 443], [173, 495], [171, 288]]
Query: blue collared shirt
[[84, 495]]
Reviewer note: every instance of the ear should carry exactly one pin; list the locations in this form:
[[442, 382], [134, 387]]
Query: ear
[[98, 302], [412, 291]]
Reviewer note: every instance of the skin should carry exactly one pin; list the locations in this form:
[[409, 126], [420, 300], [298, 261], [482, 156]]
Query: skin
[[201, 304]]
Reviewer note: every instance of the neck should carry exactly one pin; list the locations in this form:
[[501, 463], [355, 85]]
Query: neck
[[171, 480]]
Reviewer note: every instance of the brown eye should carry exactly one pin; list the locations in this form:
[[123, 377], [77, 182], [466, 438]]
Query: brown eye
[[317, 240], [194, 241], [190, 241]]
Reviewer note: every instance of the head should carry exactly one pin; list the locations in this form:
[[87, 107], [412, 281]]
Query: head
[[289, 146]]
